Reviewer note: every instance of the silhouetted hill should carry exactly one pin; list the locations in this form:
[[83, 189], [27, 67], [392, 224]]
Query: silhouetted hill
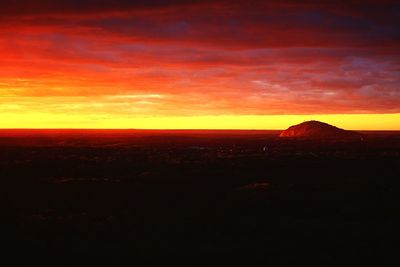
[[318, 130]]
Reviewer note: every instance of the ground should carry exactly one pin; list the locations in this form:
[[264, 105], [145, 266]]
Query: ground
[[206, 198]]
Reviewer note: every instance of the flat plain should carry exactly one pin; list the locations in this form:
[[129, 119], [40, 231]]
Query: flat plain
[[198, 197]]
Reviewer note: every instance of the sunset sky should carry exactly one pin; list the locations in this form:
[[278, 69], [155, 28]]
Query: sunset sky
[[208, 64]]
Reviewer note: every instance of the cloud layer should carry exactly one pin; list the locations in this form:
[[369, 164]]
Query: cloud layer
[[205, 58]]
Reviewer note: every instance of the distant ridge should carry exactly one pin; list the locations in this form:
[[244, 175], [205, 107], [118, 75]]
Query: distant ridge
[[318, 130]]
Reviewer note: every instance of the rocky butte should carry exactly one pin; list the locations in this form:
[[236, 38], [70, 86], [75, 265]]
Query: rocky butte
[[319, 130]]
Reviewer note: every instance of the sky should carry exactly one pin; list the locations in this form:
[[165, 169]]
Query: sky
[[204, 64]]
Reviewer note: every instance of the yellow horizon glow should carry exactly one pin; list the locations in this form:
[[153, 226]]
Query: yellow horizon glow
[[223, 122]]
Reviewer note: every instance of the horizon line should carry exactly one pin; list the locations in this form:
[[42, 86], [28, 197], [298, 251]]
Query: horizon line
[[205, 122], [177, 129]]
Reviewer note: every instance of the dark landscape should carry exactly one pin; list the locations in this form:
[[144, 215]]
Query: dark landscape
[[126, 197]]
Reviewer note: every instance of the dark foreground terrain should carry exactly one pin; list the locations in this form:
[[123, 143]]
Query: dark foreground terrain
[[141, 198]]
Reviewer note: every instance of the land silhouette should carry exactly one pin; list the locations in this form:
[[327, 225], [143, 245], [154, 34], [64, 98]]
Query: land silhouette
[[121, 198], [318, 130]]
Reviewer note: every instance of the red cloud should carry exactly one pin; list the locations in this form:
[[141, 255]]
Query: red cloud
[[202, 58]]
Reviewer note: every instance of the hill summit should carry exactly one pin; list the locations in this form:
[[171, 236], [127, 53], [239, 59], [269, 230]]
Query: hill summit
[[318, 130]]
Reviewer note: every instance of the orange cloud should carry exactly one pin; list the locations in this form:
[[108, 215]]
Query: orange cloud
[[169, 58]]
